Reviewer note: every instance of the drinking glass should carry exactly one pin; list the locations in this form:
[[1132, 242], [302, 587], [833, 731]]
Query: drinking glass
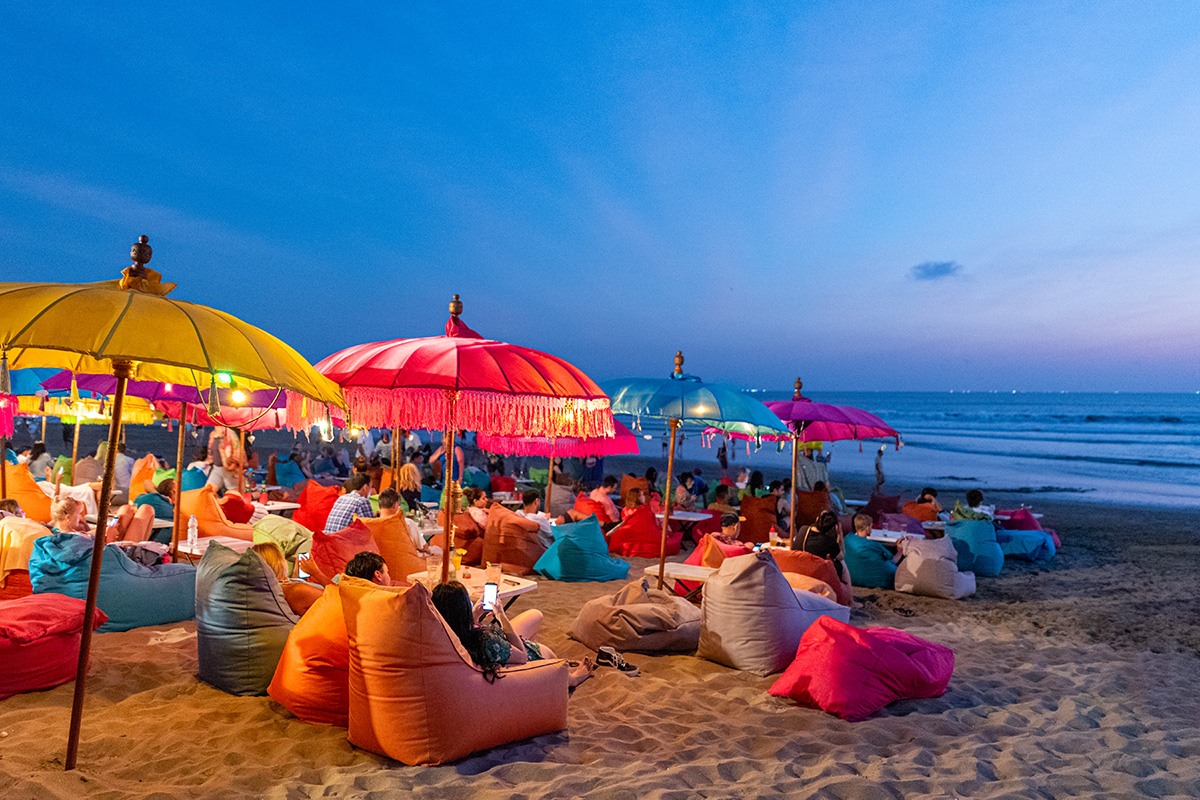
[[493, 573], [433, 566]]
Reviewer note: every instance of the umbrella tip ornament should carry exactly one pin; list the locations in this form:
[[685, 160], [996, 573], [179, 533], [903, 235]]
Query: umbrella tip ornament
[[141, 252], [798, 385], [140, 278], [678, 362], [456, 307]]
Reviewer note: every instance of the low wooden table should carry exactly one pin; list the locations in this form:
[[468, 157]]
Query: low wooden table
[[279, 506], [510, 587], [889, 538], [240, 545], [157, 524], [689, 519], [674, 571]]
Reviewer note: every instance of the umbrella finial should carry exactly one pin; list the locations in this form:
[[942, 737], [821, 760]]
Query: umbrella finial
[[141, 251], [798, 386], [140, 278], [456, 307], [678, 362]]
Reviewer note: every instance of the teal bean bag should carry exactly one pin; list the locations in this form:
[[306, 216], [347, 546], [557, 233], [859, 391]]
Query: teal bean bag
[[870, 563], [430, 494], [132, 595], [242, 621], [193, 479], [1026, 545], [978, 549], [479, 479], [579, 554]]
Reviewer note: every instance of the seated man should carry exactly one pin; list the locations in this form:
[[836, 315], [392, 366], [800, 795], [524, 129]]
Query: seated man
[[601, 496], [731, 526], [389, 503], [158, 498], [975, 503], [721, 500], [532, 502], [353, 503], [369, 566]]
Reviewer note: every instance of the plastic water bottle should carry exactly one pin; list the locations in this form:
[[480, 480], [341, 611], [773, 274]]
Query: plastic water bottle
[[193, 533]]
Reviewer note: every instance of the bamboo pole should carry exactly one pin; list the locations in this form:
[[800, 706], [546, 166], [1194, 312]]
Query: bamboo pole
[[795, 461], [242, 467], [447, 494], [121, 370], [3, 468], [75, 447], [43, 429], [662, 552], [177, 521], [550, 478], [396, 458]]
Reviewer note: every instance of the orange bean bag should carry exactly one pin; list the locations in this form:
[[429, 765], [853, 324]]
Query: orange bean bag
[[641, 535], [824, 570], [313, 677], [143, 470], [587, 506], [210, 519], [415, 694], [316, 501], [629, 482], [760, 518], [396, 546], [511, 540], [333, 551], [24, 489], [17, 536], [809, 506], [924, 512]]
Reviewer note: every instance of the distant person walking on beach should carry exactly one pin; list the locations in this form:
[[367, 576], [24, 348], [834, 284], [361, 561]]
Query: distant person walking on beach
[[879, 478]]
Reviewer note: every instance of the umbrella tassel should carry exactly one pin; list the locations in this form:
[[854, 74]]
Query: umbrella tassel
[[214, 402]]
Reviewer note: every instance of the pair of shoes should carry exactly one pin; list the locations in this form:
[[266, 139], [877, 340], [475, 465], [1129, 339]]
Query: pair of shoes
[[608, 657]]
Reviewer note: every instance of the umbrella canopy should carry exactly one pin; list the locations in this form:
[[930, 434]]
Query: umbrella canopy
[[464, 381], [245, 418], [567, 447], [129, 327]]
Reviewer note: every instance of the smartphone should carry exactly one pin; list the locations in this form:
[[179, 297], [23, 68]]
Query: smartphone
[[490, 593]]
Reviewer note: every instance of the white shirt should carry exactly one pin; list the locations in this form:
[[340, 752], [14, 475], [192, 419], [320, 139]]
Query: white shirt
[[367, 442], [545, 529]]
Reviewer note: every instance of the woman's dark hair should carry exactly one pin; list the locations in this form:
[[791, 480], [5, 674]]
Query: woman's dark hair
[[684, 477], [756, 481], [974, 498], [819, 486], [454, 604], [651, 477], [199, 454], [826, 522], [473, 493], [37, 450]]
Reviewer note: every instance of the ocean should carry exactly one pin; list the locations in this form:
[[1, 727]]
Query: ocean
[[1107, 448]]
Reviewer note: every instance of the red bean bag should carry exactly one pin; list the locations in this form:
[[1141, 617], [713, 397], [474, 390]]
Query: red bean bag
[[853, 672], [313, 677], [503, 483], [237, 508], [641, 535], [587, 506], [316, 501], [760, 518], [1022, 519], [824, 570], [468, 535], [39, 641], [809, 506], [333, 551]]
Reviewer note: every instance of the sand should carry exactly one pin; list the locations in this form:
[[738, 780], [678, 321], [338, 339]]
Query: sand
[[1075, 678]]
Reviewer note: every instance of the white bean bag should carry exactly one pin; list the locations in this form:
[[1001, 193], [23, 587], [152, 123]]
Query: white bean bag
[[752, 619], [930, 568]]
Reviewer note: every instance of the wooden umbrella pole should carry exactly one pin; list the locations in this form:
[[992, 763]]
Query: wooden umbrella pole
[[550, 478], [75, 447], [121, 370], [662, 552], [242, 469], [395, 458], [3, 468], [177, 524], [43, 429], [795, 462]]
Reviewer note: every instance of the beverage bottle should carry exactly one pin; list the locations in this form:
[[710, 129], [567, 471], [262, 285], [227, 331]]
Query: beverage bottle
[[193, 533]]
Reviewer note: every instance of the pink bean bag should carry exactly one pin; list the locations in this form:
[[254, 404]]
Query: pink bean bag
[[853, 672], [641, 535], [333, 551], [1022, 519], [39, 641]]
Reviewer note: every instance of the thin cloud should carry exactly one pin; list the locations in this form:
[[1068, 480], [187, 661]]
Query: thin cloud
[[936, 270]]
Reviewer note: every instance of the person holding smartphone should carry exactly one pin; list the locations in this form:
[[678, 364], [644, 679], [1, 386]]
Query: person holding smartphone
[[497, 642]]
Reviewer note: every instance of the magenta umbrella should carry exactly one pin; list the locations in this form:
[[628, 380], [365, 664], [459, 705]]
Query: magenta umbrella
[[567, 447]]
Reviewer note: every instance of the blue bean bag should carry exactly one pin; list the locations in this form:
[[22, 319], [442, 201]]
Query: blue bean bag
[[430, 494], [870, 563], [193, 479], [479, 479], [132, 595], [579, 554], [1026, 545], [242, 621], [978, 550]]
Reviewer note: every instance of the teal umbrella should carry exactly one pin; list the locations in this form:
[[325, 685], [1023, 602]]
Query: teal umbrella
[[685, 399]]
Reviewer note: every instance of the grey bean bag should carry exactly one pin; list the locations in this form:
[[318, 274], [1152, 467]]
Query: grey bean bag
[[242, 620], [639, 618], [930, 568]]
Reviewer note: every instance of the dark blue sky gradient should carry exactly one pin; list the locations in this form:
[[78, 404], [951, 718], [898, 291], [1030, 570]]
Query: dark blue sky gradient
[[753, 184]]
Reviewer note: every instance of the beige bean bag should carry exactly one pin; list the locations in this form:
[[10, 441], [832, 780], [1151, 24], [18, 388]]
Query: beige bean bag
[[751, 619], [930, 568], [639, 618]]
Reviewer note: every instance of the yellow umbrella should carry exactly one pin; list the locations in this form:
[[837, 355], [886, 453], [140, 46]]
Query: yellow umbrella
[[129, 327]]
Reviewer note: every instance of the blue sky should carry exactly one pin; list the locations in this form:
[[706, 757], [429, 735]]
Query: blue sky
[[874, 196]]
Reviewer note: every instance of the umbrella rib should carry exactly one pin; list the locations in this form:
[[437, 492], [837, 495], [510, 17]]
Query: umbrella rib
[[196, 328], [113, 330]]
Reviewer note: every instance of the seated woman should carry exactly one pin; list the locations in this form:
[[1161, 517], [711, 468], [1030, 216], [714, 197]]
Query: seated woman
[[299, 595], [66, 516], [634, 498], [10, 508], [684, 499], [823, 539], [498, 643], [754, 486], [408, 483], [477, 505]]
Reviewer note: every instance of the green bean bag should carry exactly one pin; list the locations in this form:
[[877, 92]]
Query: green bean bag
[[293, 538], [978, 550], [579, 554], [539, 476], [242, 621]]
